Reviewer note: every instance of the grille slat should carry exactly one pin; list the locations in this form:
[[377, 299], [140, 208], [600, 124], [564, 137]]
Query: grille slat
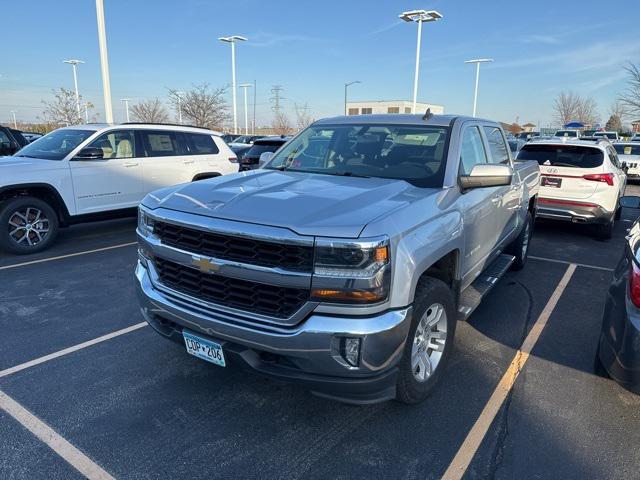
[[296, 258], [260, 298]]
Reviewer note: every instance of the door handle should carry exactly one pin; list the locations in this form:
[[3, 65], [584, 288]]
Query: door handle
[[131, 164], [188, 162]]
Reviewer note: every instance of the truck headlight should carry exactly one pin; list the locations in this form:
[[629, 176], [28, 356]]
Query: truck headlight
[[351, 271], [145, 223]]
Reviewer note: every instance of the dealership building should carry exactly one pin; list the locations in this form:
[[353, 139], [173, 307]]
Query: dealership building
[[390, 106]]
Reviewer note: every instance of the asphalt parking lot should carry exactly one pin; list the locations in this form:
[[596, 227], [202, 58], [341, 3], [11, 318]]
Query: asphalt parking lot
[[139, 407]]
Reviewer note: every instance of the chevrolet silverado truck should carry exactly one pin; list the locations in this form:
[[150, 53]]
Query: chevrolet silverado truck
[[345, 263]]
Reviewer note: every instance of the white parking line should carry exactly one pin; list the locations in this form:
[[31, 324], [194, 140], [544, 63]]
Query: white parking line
[[50, 259], [564, 262], [78, 460], [474, 438], [75, 348]]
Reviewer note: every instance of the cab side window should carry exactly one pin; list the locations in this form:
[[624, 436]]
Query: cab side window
[[497, 145], [471, 150], [118, 144]]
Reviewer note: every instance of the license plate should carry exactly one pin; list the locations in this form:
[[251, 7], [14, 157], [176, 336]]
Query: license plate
[[553, 182], [203, 348]]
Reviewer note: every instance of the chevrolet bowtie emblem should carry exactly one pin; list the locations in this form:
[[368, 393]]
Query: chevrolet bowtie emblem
[[205, 265]]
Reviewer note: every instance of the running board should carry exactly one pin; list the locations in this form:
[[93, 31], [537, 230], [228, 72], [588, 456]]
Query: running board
[[471, 297]]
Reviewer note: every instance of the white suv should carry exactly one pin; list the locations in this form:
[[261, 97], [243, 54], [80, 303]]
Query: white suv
[[580, 181], [87, 172]]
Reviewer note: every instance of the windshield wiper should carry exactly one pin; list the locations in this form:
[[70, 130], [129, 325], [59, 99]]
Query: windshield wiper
[[351, 174]]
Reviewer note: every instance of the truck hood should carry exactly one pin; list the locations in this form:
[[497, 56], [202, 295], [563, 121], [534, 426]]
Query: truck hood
[[306, 203], [12, 165]]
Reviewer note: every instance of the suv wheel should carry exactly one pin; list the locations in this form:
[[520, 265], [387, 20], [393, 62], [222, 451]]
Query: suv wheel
[[604, 231], [429, 342], [520, 246], [27, 225]]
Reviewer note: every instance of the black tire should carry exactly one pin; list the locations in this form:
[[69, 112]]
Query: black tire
[[519, 248], [618, 215], [8, 213], [604, 231], [429, 292], [598, 367]]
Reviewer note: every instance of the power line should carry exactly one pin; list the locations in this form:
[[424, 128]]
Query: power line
[[277, 98]]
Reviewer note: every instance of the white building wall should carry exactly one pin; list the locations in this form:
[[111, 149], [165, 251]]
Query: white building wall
[[391, 106]]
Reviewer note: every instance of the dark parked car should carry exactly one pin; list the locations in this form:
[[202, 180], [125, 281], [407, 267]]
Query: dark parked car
[[247, 139], [31, 136], [10, 141], [240, 150], [618, 354], [229, 137], [251, 159]]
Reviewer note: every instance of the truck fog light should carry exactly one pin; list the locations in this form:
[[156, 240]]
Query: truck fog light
[[351, 351]]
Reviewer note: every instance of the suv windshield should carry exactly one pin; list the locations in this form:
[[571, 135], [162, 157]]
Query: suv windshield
[[404, 152], [627, 149], [562, 155], [55, 145]]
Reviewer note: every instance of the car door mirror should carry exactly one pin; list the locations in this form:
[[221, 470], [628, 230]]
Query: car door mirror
[[487, 175], [630, 202], [90, 153], [265, 157]]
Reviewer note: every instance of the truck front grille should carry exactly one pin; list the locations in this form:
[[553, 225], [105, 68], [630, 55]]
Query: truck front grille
[[298, 258], [260, 298]]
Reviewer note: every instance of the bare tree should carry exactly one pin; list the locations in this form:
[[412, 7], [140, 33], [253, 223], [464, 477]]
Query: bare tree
[[587, 113], [614, 124], [150, 111], [566, 107], [202, 106], [281, 124], [630, 99], [63, 109], [303, 118]]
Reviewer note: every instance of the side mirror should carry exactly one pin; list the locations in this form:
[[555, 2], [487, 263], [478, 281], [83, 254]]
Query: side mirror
[[265, 157], [487, 175], [90, 153], [630, 202]]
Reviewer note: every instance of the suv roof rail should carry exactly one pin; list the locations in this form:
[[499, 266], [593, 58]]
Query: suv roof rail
[[166, 124]]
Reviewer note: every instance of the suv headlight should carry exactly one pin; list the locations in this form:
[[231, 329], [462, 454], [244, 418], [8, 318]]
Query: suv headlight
[[356, 272], [145, 223]]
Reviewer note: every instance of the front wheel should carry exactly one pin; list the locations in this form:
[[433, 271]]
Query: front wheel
[[520, 246], [27, 225], [429, 343]]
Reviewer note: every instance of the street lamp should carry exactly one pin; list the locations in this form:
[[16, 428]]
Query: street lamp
[[15, 124], [477, 61], [232, 40], [86, 112], [74, 63], [419, 16], [126, 106], [179, 96], [104, 62], [245, 86], [346, 85]]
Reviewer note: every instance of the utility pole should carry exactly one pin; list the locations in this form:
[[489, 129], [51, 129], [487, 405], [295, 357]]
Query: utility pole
[[15, 124], [74, 63], [477, 61], [347, 85], [104, 62], [253, 127], [86, 112], [277, 98], [245, 86], [232, 40], [126, 106], [179, 95]]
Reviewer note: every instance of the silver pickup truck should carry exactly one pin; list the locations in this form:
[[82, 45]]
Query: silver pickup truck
[[345, 263]]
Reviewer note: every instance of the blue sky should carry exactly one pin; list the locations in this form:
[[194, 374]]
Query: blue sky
[[311, 48]]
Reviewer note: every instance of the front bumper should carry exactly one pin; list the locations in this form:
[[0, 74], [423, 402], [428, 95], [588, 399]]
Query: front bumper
[[308, 353], [572, 212]]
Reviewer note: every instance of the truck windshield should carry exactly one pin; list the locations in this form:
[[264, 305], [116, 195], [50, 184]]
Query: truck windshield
[[416, 154], [562, 155], [55, 145]]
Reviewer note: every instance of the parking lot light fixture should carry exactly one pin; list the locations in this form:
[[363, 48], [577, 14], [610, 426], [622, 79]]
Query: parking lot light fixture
[[477, 61], [74, 63], [245, 86], [232, 40], [419, 16], [346, 85], [126, 106], [15, 124], [179, 96]]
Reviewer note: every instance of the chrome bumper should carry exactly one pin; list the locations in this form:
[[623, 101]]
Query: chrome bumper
[[574, 213], [310, 350]]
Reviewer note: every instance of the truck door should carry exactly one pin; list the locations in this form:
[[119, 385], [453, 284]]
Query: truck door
[[476, 206]]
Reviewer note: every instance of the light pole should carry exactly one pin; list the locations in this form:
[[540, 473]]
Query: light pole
[[245, 86], [74, 63], [86, 112], [104, 62], [346, 85], [179, 95], [477, 61], [15, 124], [232, 40], [126, 106], [419, 16]]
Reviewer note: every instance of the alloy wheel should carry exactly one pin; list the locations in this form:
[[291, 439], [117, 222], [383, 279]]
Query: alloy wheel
[[429, 342], [28, 226]]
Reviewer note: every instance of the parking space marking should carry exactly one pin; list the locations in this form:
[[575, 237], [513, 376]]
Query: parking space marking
[[75, 348], [78, 460], [69, 255], [474, 438], [565, 262]]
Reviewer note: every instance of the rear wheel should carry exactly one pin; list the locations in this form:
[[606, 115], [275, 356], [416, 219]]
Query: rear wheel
[[27, 225], [429, 343], [604, 231], [598, 367]]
